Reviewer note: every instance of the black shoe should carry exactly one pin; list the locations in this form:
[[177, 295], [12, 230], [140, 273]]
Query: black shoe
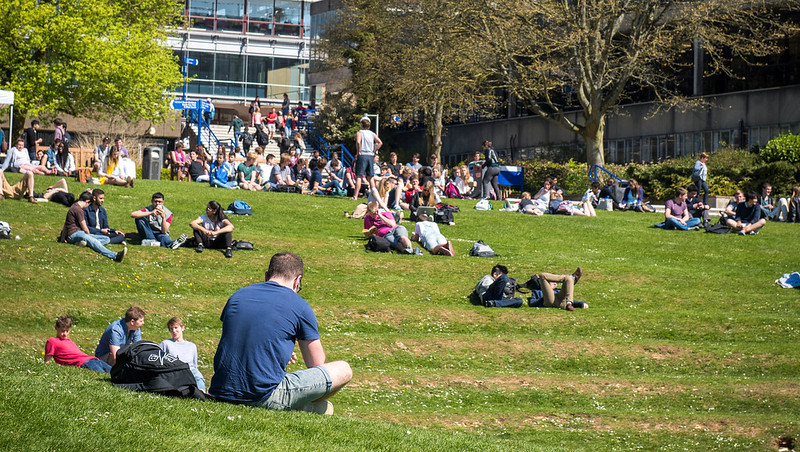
[[489, 303], [228, 253], [121, 255], [199, 248]]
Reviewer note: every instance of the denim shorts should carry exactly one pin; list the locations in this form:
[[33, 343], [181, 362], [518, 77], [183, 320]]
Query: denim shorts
[[364, 166], [395, 234], [298, 389]]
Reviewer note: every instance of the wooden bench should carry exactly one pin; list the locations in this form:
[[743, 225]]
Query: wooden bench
[[83, 161]]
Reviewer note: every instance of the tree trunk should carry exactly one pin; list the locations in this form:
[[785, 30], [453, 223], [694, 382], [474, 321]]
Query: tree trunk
[[593, 138], [16, 129], [433, 130]]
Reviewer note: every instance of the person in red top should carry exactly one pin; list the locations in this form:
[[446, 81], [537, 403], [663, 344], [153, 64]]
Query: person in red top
[[272, 117], [63, 351]]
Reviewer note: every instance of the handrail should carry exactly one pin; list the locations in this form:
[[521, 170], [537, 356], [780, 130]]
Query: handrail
[[319, 143], [593, 173], [204, 131]]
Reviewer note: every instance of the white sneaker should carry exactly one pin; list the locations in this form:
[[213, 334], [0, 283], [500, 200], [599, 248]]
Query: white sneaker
[[177, 243]]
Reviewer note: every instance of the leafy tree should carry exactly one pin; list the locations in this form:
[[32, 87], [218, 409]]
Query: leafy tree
[[589, 55], [92, 58], [409, 57]]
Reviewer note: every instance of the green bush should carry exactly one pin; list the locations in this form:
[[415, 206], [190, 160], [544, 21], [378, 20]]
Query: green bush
[[728, 170], [784, 148]]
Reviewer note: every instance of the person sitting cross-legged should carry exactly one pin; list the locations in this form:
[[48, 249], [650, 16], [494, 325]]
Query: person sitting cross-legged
[[153, 223], [676, 212], [97, 218], [748, 218]]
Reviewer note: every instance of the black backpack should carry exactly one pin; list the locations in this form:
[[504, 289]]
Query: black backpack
[[143, 366], [378, 244]]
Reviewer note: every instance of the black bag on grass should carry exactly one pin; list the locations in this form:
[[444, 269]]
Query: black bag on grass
[[143, 366], [378, 244]]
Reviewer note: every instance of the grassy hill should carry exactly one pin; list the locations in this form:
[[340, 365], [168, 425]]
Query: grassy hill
[[688, 344]]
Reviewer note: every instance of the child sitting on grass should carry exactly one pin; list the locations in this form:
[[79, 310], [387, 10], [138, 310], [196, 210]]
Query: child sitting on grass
[[65, 352], [184, 350]]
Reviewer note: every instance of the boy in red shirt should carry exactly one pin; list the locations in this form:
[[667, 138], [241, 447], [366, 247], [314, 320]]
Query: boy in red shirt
[[65, 352]]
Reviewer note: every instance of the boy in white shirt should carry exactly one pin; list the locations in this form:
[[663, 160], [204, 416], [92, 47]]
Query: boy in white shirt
[[184, 350]]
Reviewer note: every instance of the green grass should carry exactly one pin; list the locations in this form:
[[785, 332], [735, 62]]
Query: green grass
[[688, 344]]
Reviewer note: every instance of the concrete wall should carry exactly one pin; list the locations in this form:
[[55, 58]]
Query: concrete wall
[[774, 109]]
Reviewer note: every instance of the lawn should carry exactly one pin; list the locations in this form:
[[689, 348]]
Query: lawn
[[687, 344]]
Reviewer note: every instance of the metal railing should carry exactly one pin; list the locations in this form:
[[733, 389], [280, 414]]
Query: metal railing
[[317, 142], [205, 135], [593, 173]]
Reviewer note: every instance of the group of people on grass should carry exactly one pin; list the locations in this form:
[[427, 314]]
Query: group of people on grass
[[261, 325]]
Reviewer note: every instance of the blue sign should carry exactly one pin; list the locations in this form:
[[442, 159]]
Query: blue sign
[[190, 61], [184, 104]]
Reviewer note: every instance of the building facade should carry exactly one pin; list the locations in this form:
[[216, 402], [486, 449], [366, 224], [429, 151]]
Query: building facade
[[244, 49]]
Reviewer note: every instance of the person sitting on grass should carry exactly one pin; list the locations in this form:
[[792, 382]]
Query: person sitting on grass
[[769, 209], [247, 172], [384, 225], [76, 231], [197, 168], [748, 216], [425, 197], [218, 174], [63, 162], [591, 195], [261, 326], [182, 349], [315, 183], [63, 351], [153, 223], [794, 206], [609, 191], [97, 218], [633, 198], [127, 330], [676, 212], [428, 234], [730, 209], [213, 230], [697, 209], [112, 172], [336, 179]]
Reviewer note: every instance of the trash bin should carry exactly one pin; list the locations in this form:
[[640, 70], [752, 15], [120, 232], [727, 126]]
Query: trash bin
[[152, 159]]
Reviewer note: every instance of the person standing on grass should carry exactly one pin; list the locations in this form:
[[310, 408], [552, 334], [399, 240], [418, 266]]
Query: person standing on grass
[[127, 330], [76, 231], [261, 324], [367, 144], [63, 351]]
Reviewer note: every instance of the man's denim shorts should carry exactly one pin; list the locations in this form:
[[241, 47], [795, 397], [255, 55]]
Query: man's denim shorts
[[364, 165], [298, 389]]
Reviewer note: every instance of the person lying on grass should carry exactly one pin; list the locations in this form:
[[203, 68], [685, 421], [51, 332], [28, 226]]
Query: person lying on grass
[[384, 225], [427, 233], [493, 290], [63, 351]]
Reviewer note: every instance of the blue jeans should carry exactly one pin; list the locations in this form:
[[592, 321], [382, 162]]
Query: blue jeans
[[220, 184], [95, 242], [201, 382], [97, 365], [297, 389], [146, 232], [333, 184], [495, 293], [673, 223]]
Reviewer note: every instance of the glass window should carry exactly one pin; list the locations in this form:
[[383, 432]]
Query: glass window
[[257, 68], [201, 8], [288, 14], [259, 16], [230, 9], [204, 69], [229, 67]]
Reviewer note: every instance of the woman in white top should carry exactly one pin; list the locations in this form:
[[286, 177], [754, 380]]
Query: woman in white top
[[65, 162], [380, 193], [542, 198], [213, 230]]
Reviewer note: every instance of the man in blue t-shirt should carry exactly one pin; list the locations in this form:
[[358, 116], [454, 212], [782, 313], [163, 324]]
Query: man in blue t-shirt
[[260, 325], [124, 331]]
